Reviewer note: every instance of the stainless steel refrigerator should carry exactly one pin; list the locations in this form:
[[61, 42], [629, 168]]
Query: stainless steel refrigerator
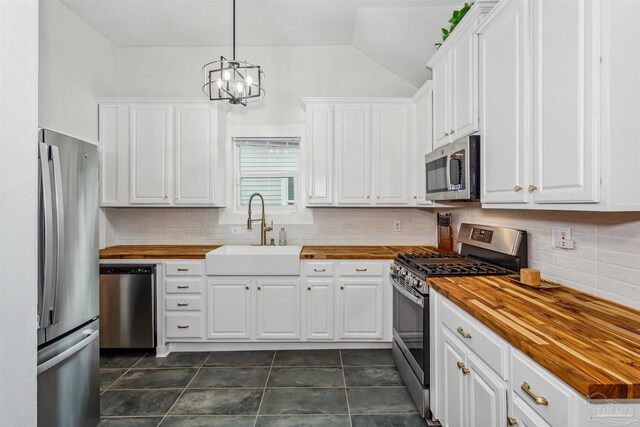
[[68, 288]]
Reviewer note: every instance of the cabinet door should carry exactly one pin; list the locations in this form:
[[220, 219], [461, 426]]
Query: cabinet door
[[486, 396], [150, 137], [229, 309], [319, 309], [360, 308], [353, 157], [390, 154], [565, 90], [278, 309], [503, 62], [441, 101], [464, 86], [453, 401], [320, 134], [114, 155], [424, 143], [194, 155]]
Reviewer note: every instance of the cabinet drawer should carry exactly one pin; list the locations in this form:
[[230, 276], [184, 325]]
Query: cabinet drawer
[[183, 303], [360, 269], [183, 286], [319, 268], [524, 415], [545, 387], [183, 268], [185, 325], [490, 348]]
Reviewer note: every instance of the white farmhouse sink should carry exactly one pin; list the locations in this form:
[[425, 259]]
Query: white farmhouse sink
[[254, 261]]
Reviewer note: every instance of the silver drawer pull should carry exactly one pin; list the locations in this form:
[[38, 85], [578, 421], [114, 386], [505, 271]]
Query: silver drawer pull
[[183, 269], [183, 326], [183, 286], [463, 333], [540, 400], [319, 270], [183, 304], [361, 269]]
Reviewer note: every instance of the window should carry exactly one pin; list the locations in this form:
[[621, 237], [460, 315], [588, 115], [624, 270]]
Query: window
[[268, 166]]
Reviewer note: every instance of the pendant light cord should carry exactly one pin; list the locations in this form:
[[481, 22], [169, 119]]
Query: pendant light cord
[[234, 30]]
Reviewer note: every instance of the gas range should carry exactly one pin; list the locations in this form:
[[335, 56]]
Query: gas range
[[484, 251]]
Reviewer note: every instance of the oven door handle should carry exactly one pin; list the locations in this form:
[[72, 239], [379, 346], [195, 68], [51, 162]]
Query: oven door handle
[[417, 300]]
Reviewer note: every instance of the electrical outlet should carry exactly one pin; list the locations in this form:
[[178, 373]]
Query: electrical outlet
[[561, 238], [397, 225], [236, 230]]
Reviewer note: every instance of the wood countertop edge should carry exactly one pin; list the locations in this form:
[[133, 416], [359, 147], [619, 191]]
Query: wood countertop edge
[[578, 379]]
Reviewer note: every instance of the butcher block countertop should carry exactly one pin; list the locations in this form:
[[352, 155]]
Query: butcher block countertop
[[156, 251], [590, 343], [308, 252]]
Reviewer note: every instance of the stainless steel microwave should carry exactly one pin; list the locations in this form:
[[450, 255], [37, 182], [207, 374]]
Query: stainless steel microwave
[[453, 171]]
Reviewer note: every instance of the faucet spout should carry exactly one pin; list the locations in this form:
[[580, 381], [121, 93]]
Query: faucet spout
[[264, 228]]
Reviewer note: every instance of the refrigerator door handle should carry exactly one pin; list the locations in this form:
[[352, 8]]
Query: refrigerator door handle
[[57, 180], [90, 335], [46, 257]]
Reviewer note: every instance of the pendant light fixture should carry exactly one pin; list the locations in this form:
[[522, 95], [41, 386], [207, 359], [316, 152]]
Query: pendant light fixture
[[235, 81]]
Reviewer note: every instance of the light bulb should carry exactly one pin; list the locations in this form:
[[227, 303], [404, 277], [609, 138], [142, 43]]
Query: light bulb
[[249, 80], [240, 87], [219, 83], [226, 75]]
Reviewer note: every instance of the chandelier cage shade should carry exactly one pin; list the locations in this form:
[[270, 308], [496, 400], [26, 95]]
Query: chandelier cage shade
[[234, 81]]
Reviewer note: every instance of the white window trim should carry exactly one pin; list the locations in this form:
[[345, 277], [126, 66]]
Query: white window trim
[[233, 214]]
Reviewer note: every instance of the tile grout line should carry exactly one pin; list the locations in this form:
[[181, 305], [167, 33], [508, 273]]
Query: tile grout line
[[185, 388], [123, 374], [346, 394], [264, 390]]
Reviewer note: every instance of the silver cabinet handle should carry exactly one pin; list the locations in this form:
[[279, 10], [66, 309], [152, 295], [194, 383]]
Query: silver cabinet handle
[[183, 286], [465, 370], [183, 304], [60, 246], [46, 262], [319, 270], [540, 400], [462, 332], [183, 326], [183, 269], [361, 269]]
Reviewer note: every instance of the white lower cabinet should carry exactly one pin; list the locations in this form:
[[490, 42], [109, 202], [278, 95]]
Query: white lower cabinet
[[278, 308], [184, 325], [229, 309], [319, 308], [360, 308], [452, 387]]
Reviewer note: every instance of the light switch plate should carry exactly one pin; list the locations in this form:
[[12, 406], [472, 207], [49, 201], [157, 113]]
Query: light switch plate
[[561, 238], [397, 225]]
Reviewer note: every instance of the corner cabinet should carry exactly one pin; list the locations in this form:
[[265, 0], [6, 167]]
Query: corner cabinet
[[455, 79], [161, 154], [359, 151]]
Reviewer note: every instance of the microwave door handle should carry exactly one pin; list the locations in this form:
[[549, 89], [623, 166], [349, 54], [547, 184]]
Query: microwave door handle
[[57, 179], [45, 281]]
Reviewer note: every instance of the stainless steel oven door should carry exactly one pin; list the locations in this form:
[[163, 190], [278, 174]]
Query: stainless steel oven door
[[410, 327]]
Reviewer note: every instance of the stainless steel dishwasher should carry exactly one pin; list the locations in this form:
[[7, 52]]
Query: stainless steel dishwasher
[[127, 306]]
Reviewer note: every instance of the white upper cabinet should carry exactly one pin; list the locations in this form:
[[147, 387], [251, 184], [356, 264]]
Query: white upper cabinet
[[565, 69], [424, 140], [353, 153], [359, 151], [161, 154], [390, 153], [455, 79], [320, 135], [150, 141], [503, 91]]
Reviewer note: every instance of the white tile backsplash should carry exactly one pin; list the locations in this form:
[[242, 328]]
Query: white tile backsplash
[[350, 226], [606, 258]]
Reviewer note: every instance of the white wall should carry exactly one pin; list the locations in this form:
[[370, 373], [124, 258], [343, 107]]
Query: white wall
[[337, 226], [18, 195], [77, 64], [606, 258], [292, 72]]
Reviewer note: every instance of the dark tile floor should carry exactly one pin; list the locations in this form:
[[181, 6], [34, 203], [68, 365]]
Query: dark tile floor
[[255, 388]]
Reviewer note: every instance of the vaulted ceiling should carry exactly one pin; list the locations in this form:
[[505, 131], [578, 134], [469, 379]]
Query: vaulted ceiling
[[398, 34]]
